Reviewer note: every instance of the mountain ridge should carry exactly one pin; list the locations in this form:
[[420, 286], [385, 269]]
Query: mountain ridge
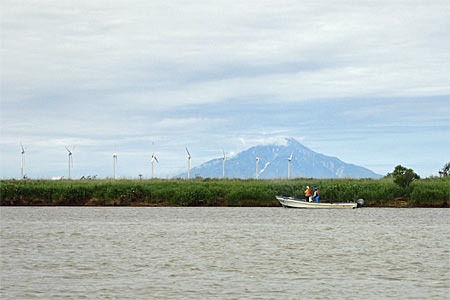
[[305, 163]]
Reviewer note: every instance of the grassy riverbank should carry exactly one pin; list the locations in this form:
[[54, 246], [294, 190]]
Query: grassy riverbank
[[433, 192]]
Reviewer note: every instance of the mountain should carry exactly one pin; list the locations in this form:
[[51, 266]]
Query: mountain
[[274, 164]]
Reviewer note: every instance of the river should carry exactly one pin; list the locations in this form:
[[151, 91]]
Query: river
[[224, 253]]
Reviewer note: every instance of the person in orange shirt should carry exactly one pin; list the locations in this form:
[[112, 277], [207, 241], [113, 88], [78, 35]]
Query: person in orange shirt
[[307, 194]]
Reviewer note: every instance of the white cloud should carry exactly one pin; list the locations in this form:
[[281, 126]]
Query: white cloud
[[248, 141], [155, 48], [125, 73], [192, 124]]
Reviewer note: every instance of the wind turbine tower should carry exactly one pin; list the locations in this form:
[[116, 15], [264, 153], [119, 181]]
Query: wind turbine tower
[[22, 161], [114, 165], [189, 163], [70, 160], [153, 159], [289, 159], [224, 158], [257, 163]]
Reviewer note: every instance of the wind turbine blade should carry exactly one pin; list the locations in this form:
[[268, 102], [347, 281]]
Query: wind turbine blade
[[188, 152], [23, 149], [156, 160], [290, 158], [224, 156], [68, 150]]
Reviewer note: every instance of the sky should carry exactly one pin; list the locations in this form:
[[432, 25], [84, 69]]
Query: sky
[[365, 81]]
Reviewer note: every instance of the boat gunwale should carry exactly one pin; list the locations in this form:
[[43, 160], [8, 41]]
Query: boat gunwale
[[285, 198], [291, 202]]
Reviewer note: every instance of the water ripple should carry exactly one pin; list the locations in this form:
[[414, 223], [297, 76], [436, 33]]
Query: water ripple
[[223, 253]]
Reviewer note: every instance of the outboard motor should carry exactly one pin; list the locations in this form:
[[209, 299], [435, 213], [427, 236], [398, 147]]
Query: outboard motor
[[360, 202]]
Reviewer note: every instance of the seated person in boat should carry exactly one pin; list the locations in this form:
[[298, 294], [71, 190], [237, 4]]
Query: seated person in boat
[[316, 194], [307, 194]]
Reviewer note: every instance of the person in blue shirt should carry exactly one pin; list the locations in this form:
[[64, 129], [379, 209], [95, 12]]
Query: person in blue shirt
[[316, 194]]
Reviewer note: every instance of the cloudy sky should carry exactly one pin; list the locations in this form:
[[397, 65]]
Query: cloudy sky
[[366, 81]]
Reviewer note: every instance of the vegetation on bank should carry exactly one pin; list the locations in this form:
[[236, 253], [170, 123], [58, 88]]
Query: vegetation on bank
[[430, 192]]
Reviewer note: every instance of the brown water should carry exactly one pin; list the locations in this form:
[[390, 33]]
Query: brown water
[[224, 253]]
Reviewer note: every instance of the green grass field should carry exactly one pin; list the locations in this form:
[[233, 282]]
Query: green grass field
[[433, 192]]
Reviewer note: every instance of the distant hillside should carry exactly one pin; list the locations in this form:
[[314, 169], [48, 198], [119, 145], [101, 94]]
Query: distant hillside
[[274, 164]]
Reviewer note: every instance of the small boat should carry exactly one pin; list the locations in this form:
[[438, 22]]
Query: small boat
[[291, 202]]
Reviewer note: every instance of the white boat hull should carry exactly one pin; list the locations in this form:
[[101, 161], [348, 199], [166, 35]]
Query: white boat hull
[[291, 202]]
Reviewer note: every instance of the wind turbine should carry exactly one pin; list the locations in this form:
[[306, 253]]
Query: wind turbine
[[189, 163], [257, 163], [22, 161], [70, 159], [224, 158], [289, 159], [153, 158], [114, 165]]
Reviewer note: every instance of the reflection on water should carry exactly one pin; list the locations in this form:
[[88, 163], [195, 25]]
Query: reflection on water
[[223, 253]]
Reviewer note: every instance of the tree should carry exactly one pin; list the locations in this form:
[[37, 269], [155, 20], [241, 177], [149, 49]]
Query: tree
[[445, 172], [388, 176], [403, 176]]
